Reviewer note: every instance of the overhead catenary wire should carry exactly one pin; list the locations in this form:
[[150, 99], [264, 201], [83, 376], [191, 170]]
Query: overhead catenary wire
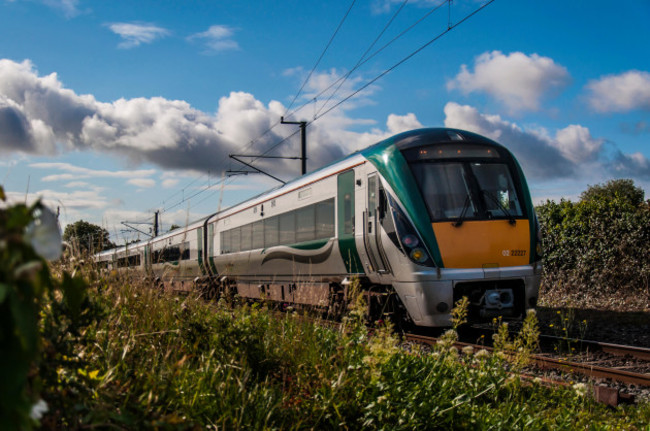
[[356, 66], [320, 57], [362, 61], [404, 59], [374, 54]]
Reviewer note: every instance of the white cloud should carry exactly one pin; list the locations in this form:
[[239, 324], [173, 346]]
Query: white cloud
[[135, 34], [77, 172], [619, 93], [217, 38], [76, 200], [44, 117], [76, 184], [144, 183], [170, 182], [517, 80], [402, 123], [576, 144], [68, 7], [571, 151]]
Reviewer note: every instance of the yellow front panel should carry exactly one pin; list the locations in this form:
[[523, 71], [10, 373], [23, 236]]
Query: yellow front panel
[[483, 244]]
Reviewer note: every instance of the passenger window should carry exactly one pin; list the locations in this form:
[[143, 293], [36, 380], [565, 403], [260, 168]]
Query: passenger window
[[258, 234], [305, 221], [271, 237], [287, 228], [325, 219], [246, 237]]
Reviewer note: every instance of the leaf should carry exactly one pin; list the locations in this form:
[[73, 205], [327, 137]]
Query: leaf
[[4, 290], [74, 293], [24, 314]]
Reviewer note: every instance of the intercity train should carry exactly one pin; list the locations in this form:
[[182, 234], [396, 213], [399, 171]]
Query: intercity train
[[416, 222]]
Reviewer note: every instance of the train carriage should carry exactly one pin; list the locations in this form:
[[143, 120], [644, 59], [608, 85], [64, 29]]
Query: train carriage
[[420, 219]]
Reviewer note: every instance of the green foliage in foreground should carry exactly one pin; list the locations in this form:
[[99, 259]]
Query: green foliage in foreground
[[155, 361], [598, 245], [27, 290]]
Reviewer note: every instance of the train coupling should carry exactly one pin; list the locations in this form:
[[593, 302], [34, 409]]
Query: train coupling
[[497, 302]]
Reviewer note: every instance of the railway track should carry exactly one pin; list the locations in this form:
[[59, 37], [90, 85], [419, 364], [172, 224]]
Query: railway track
[[642, 353], [592, 371]]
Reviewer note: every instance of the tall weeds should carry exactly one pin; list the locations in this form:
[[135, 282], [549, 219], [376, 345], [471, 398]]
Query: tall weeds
[[157, 361]]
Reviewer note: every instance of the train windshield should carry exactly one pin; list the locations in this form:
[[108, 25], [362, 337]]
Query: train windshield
[[475, 185]]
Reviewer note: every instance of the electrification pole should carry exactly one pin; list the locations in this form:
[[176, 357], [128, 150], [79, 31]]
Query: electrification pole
[[303, 141]]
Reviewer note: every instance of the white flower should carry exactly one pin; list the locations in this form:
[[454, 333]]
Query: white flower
[[44, 234], [580, 389], [482, 354], [468, 350], [38, 410]]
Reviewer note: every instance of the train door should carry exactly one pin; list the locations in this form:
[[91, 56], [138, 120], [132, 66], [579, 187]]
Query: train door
[[345, 221], [371, 230]]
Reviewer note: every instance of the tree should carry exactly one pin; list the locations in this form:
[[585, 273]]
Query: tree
[[623, 189], [87, 236], [173, 227]]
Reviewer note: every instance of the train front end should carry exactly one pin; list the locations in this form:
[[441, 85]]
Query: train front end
[[465, 222]]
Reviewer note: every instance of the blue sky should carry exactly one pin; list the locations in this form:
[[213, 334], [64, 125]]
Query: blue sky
[[111, 110]]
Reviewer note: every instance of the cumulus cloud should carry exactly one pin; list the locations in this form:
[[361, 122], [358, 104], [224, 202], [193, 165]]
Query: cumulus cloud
[[620, 93], [576, 144], [217, 38], [402, 123], [547, 156], [40, 116], [517, 80], [136, 34], [534, 150]]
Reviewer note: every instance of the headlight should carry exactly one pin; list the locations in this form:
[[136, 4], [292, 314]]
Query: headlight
[[419, 255], [410, 241]]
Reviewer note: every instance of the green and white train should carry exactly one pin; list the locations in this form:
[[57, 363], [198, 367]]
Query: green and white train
[[420, 219]]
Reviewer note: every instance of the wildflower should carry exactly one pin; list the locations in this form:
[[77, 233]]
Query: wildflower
[[537, 380], [44, 234], [482, 354], [580, 389], [38, 410], [468, 350]]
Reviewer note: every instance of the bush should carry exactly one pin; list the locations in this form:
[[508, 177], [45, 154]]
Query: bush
[[598, 245]]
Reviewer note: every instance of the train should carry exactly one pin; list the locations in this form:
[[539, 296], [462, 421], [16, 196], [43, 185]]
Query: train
[[415, 223]]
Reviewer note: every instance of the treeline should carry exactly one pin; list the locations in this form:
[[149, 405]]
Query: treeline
[[600, 244]]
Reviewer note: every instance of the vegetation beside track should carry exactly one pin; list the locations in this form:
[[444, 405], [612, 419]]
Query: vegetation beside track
[[150, 360], [596, 252]]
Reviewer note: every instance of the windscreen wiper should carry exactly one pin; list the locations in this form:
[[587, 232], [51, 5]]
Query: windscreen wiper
[[511, 218], [461, 218]]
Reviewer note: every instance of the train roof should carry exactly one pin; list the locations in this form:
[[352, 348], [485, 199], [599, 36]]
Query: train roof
[[401, 141]]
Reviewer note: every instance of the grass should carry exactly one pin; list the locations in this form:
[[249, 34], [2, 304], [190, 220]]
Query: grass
[[142, 359]]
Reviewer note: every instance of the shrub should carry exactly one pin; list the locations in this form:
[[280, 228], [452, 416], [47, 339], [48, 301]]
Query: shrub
[[598, 245]]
